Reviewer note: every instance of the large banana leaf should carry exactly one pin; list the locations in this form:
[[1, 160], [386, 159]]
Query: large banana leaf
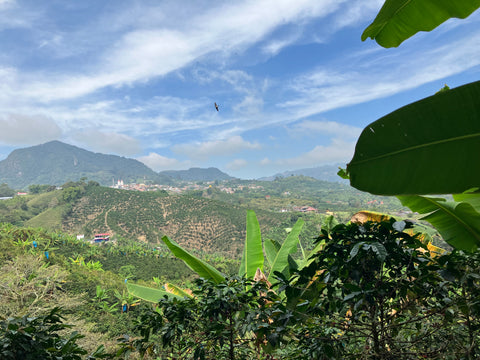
[[289, 246], [458, 223], [400, 19], [148, 294], [472, 198], [203, 269], [173, 289], [428, 147], [271, 248], [252, 258]]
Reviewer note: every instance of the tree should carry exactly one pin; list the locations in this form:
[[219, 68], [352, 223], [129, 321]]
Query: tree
[[6, 191], [42, 337], [377, 294]]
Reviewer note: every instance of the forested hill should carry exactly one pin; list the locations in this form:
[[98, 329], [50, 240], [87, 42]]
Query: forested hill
[[197, 223], [55, 163], [197, 174], [200, 224]]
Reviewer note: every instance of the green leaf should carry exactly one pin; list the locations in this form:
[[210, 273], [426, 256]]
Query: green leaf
[[354, 250], [471, 198], [400, 19], [147, 293], [173, 289], [289, 246], [379, 251], [271, 248], [203, 269], [428, 147], [458, 223], [253, 251]]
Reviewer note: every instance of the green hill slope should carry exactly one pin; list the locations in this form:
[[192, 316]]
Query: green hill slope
[[197, 223], [55, 163]]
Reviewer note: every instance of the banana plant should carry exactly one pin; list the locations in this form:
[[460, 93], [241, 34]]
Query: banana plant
[[256, 255], [430, 146]]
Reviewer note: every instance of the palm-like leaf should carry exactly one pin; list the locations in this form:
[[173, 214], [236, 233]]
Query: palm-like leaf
[[289, 246], [173, 289], [400, 19], [458, 223], [252, 258], [428, 147], [149, 294], [203, 269]]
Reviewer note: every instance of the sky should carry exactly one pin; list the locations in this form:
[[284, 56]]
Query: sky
[[294, 83]]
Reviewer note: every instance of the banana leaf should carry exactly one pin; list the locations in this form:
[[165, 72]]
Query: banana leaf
[[271, 248], [203, 269], [457, 222], [148, 294], [289, 246], [252, 258], [173, 289], [400, 19], [472, 198], [427, 147]]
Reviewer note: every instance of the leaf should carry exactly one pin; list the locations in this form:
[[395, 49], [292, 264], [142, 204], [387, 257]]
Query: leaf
[[289, 246], [173, 289], [379, 250], [472, 198], [427, 147], [400, 19], [271, 248], [253, 251], [458, 223], [365, 215], [147, 293], [203, 269], [354, 251], [343, 173]]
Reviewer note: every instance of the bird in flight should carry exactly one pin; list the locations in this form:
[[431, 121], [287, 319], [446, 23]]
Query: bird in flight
[[216, 106]]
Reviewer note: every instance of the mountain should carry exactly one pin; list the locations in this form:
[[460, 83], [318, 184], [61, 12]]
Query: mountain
[[325, 173], [197, 174], [55, 163]]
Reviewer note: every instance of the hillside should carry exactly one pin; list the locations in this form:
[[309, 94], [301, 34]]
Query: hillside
[[197, 174], [55, 163], [324, 173], [205, 225]]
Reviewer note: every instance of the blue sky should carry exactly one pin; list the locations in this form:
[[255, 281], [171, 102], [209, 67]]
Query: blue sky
[[294, 83]]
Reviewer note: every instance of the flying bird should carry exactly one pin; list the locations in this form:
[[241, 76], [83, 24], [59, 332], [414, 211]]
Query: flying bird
[[216, 106]]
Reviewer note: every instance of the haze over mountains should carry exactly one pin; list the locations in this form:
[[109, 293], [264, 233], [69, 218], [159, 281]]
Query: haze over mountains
[[55, 163]]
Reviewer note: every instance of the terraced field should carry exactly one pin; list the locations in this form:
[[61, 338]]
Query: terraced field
[[198, 224]]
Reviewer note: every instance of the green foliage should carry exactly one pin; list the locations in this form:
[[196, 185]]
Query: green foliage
[[422, 138], [457, 222], [379, 291], [252, 258], [147, 293], [228, 320], [6, 191], [41, 337], [200, 267], [400, 19]]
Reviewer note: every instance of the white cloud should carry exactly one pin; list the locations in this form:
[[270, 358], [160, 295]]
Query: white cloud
[[107, 142], [309, 127], [203, 151], [265, 161], [249, 106], [158, 162], [338, 86], [21, 129], [337, 151], [236, 164]]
